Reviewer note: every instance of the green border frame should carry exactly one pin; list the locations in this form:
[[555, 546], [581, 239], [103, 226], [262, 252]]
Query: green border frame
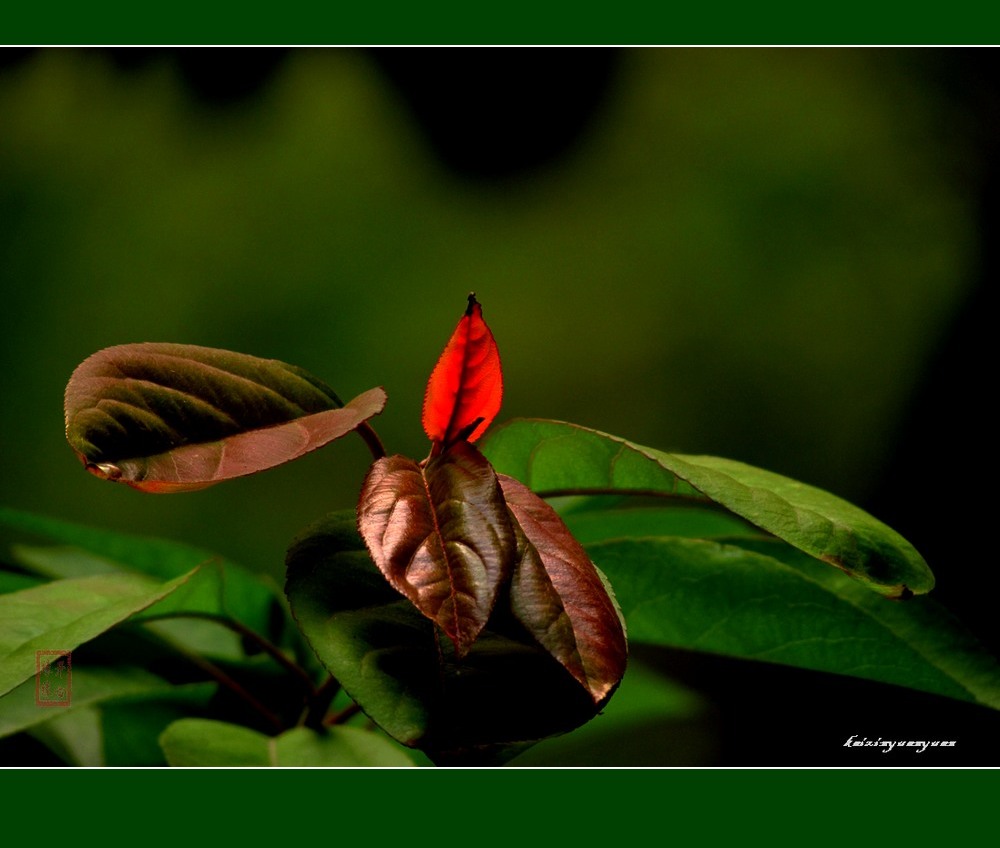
[[515, 22]]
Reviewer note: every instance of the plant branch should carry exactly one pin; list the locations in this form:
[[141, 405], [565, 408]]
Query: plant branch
[[343, 715], [320, 703], [273, 651], [225, 680], [265, 645], [367, 432]]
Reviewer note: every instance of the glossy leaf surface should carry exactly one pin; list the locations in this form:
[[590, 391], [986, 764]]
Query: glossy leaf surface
[[441, 535], [171, 418], [504, 694], [558, 595], [205, 742], [555, 457], [465, 389]]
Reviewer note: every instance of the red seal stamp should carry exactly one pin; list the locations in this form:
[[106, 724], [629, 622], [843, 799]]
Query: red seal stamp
[[53, 678]]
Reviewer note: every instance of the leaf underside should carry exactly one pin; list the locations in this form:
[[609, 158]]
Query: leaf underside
[[558, 595], [169, 417], [758, 598]]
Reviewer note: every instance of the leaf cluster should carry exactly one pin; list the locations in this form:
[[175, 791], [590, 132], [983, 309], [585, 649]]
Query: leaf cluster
[[475, 603]]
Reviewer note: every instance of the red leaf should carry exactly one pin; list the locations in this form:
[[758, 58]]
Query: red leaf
[[441, 535], [466, 387], [559, 596]]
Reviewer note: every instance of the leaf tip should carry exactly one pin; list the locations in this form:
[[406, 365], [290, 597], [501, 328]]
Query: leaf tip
[[903, 594], [104, 470]]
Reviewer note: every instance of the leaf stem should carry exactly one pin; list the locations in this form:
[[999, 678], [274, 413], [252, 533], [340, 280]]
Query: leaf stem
[[228, 682], [265, 645], [367, 432], [343, 715], [273, 651], [320, 703]]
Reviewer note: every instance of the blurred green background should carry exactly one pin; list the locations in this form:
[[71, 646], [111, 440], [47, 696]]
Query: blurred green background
[[745, 252]]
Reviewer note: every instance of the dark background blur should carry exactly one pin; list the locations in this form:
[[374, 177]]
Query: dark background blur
[[776, 255]]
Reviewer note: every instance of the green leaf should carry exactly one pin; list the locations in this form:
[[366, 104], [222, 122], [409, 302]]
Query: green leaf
[[505, 694], [171, 417], [221, 588], [204, 595], [629, 522], [131, 726], [204, 742], [12, 581], [91, 685], [66, 613], [651, 721], [62, 561], [552, 457], [161, 558], [75, 736], [122, 730], [763, 600], [205, 637]]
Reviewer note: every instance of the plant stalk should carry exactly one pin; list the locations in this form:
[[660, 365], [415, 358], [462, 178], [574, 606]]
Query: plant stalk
[[320, 702], [367, 432]]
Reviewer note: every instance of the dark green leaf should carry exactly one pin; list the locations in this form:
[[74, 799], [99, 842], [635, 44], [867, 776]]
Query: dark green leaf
[[161, 558], [441, 535], [91, 685], [11, 581], [221, 587], [60, 562], [624, 522], [203, 742], [552, 457], [170, 417], [122, 730], [504, 694], [651, 721], [746, 600], [131, 726]]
